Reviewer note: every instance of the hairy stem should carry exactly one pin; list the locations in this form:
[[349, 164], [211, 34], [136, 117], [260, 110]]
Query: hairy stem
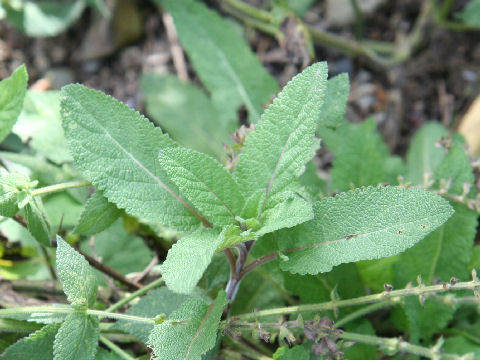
[[390, 296], [60, 187], [134, 295]]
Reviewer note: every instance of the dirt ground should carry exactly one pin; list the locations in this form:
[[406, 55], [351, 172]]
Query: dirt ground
[[438, 82]]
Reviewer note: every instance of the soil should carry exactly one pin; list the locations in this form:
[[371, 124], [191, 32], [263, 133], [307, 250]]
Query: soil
[[437, 82]]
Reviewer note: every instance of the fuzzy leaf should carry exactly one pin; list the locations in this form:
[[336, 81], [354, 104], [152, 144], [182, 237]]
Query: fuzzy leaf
[[205, 183], [223, 61], [286, 214], [39, 343], [335, 103], [276, 152], [188, 259], [191, 340], [12, 93], [97, 215], [185, 112], [13, 187], [367, 223], [37, 221], [117, 149], [299, 352], [423, 155], [77, 338], [159, 301], [40, 127], [77, 277]]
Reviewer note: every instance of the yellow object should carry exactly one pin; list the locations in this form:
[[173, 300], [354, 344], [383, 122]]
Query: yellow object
[[470, 126]]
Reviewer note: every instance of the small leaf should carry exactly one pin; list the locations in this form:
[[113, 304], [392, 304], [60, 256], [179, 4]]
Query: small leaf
[[335, 104], [159, 301], [367, 223], [77, 338], [286, 214], [39, 343], [117, 150], [191, 340], [97, 215], [12, 93], [299, 352], [12, 188], [188, 259], [77, 277], [276, 152], [424, 155], [37, 221], [205, 183], [470, 13], [227, 67], [185, 112]]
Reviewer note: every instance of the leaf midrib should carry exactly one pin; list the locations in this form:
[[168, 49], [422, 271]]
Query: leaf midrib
[[197, 333]]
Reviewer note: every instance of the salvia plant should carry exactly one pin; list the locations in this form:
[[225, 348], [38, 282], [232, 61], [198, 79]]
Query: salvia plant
[[260, 257]]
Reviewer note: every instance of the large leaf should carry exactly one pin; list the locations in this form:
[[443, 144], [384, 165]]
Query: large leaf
[[284, 140], [77, 338], [97, 215], [12, 93], [40, 126], [335, 105], [222, 60], [423, 154], [205, 183], [185, 112], [367, 223], [188, 259], [117, 150], [39, 343], [77, 277], [159, 301], [194, 335]]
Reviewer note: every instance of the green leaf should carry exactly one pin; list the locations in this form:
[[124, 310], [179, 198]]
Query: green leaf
[[13, 189], [185, 112], [77, 277], [159, 301], [444, 253], [77, 338], [367, 223], [46, 18], [12, 93], [205, 183], [39, 125], [360, 156], [97, 215], [424, 155], [37, 221], [288, 213], [460, 345], [227, 67], [194, 335], [299, 352], [39, 343], [117, 149], [470, 14], [103, 354], [188, 258], [276, 152], [120, 250], [335, 103]]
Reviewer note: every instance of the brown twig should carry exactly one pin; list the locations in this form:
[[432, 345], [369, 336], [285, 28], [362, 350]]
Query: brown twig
[[145, 272], [176, 49]]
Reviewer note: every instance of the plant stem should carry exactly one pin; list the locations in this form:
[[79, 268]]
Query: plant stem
[[399, 345], [386, 296], [358, 19], [134, 295], [249, 10], [117, 350], [445, 9], [60, 187], [116, 316], [362, 312]]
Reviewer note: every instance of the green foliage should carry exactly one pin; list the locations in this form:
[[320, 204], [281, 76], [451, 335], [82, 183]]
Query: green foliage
[[37, 221], [361, 225], [189, 341], [12, 92], [76, 275], [97, 215], [334, 107], [470, 15], [227, 67]]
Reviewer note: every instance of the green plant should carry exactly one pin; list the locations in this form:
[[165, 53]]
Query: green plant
[[256, 254]]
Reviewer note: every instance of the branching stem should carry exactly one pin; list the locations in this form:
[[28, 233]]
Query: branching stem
[[60, 187]]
